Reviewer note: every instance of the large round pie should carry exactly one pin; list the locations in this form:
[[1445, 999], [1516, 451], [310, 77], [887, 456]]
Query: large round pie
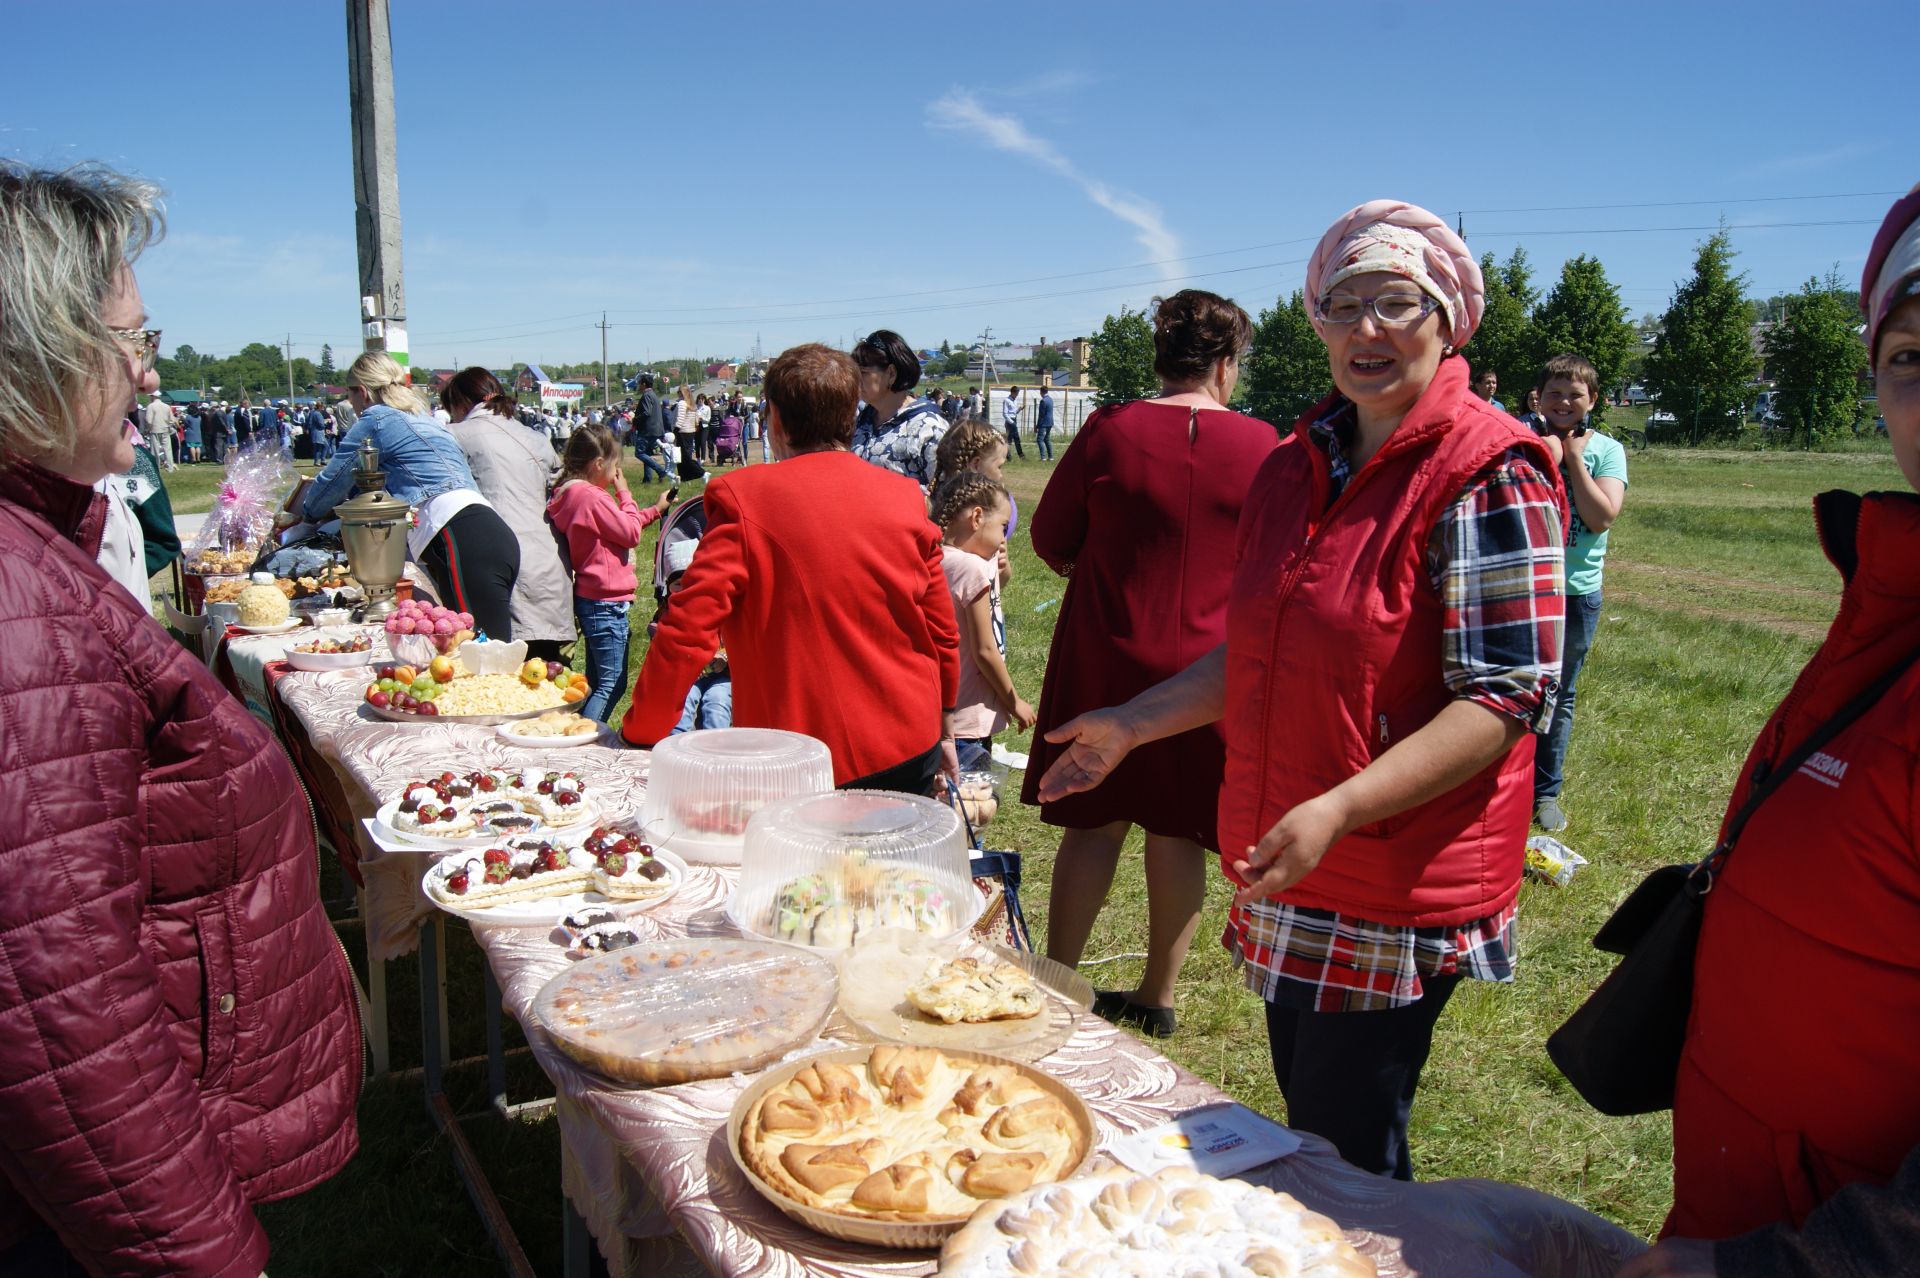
[[910, 1134], [1121, 1225], [674, 1011]]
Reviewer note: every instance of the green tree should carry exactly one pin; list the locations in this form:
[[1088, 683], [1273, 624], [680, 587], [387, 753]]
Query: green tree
[[1504, 341], [326, 364], [1700, 367], [1121, 359], [1286, 372], [955, 364], [1047, 359], [1583, 315], [946, 348], [1815, 360]]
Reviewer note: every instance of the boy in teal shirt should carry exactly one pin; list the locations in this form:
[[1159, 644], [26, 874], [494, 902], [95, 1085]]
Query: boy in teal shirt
[[1594, 469]]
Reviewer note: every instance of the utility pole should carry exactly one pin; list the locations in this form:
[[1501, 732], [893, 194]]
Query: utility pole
[[606, 391], [376, 179], [289, 369], [986, 360]]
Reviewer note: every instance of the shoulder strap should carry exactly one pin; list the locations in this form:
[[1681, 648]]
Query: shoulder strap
[[1768, 776]]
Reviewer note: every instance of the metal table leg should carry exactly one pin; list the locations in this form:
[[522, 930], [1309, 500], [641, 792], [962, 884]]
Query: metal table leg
[[576, 1244]]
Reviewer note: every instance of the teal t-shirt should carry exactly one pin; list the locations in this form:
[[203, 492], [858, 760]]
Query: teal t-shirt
[[1587, 551]]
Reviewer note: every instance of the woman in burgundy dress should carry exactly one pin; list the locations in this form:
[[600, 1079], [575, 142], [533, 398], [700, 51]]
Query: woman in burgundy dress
[[1140, 516]]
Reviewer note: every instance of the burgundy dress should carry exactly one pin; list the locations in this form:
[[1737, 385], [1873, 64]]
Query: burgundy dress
[[1140, 516]]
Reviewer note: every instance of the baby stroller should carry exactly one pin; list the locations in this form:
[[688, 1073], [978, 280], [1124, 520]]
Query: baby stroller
[[727, 445], [685, 522]]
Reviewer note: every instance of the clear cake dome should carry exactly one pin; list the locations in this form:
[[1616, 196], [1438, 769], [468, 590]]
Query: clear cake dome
[[822, 870], [705, 785]]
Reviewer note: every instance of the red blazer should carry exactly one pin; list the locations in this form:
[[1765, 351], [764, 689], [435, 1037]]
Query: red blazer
[[822, 575]]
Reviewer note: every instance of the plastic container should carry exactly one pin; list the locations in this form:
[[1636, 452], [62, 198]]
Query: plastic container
[[820, 870], [704, 786], [663, 1012]]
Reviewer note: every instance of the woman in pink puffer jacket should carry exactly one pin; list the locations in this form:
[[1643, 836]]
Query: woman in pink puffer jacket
[[179, 1036]]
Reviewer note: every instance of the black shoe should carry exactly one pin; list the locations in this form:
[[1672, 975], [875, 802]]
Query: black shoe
[[1117, 1009]]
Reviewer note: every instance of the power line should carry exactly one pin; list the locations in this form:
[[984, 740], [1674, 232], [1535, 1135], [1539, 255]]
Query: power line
[[1675, 204]]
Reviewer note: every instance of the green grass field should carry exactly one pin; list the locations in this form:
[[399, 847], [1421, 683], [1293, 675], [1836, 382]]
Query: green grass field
[[1716, 593]]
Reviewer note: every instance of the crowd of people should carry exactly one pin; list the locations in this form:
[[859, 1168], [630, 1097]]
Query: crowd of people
[[1335, 657]]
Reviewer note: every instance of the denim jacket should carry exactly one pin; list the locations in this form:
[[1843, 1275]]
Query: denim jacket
[[421, 457]]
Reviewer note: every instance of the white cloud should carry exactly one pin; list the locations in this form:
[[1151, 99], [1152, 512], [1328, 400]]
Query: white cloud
[[961, 112]]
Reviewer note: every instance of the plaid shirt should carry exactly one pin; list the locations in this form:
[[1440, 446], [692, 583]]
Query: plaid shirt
[[1495, 559]]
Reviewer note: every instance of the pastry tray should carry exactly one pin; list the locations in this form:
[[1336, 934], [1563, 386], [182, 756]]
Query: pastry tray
[[889, 1233]]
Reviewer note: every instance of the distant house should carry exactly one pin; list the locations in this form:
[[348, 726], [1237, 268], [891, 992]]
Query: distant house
[[722, 372], [530, 378], [438, 379]]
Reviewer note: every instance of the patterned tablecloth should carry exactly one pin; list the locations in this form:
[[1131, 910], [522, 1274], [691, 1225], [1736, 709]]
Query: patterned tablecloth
[[642, 1165], [378, 757]]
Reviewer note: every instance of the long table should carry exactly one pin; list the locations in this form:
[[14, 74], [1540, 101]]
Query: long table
[[647, 1171]]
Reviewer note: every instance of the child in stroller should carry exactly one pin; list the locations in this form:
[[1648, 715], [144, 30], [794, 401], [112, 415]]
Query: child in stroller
[[709, 701]]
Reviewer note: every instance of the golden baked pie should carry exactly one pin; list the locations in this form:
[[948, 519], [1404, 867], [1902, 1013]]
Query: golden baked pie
[[674, 1011], [976, 990], [1118, 1224], [909, 1134]]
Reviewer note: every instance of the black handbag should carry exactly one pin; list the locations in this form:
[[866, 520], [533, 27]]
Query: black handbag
[[1621, 1049]]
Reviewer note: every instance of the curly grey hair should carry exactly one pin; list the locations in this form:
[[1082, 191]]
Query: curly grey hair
[[65, 236]]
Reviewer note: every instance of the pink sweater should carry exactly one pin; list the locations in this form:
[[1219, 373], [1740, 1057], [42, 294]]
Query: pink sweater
[[600, 533]]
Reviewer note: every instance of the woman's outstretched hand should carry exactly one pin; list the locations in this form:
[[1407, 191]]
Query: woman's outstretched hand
[[1096, 743]]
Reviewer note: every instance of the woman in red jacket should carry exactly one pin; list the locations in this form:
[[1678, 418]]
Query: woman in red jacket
[[179, 1035], [1796, 1122], [1393, 640], [822, 577]]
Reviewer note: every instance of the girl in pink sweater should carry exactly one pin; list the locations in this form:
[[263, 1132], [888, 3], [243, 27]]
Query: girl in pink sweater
[[601, 529]]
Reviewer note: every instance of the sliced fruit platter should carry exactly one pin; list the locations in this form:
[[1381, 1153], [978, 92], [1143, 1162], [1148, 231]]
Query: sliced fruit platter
[[543, 880], [442, 689], [455, 810]]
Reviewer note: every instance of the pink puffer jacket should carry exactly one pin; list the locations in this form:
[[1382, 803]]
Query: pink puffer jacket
[[179, 1035]]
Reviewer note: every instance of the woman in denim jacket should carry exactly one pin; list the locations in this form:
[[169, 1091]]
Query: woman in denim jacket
[[469, 552]]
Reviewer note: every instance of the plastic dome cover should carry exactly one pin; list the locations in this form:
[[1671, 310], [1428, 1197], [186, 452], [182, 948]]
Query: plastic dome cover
[[704, 786], [821, 870]]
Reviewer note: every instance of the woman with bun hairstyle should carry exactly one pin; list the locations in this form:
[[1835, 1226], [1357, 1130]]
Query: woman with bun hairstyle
[[469, 552], [512, 467], [1392, 646], [1139, 516]]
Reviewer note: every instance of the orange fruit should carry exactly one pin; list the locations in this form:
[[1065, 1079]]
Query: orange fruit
[[573, 693]]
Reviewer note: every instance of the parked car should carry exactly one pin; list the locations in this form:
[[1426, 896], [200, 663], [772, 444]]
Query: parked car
[[1638, 395], [1661, 417], [1766, 411]]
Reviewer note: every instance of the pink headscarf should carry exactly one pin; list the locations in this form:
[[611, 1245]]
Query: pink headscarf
[[1893, 265], [1403, 239]]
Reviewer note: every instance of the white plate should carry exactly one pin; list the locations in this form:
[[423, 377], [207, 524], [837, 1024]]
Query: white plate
[[291, 623], [603, 735], [547, 911], [386, 829], [334, 660]]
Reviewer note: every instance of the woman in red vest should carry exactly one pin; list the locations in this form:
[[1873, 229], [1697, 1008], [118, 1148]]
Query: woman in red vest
[[1393, 643], [1796, 1119]]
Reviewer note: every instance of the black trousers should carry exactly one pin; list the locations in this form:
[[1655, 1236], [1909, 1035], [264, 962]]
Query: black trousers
[[915, 776], [474, 561], [1350, 1076]]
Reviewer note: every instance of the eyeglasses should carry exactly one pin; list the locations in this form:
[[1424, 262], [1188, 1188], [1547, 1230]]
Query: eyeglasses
[[1388, 308], [146, 344]]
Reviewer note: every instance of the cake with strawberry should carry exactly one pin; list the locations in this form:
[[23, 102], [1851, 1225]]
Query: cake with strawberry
[[626, 869], [519, 870], [558, 798], [425, 808]]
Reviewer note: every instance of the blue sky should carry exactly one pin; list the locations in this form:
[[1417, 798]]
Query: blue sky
[[799, 171]]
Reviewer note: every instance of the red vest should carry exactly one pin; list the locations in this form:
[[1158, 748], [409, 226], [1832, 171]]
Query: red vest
[[1802, 1057], [1333, 655]]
